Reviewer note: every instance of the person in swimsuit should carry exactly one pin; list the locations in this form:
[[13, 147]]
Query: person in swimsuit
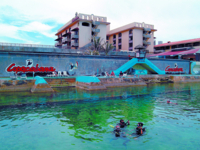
[[140, 130], [122, 124], [117, 131]]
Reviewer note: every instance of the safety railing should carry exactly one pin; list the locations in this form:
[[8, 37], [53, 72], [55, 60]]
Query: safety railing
[[26, 45]]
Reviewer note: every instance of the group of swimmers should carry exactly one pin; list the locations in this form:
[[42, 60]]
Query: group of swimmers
[[139, 129]]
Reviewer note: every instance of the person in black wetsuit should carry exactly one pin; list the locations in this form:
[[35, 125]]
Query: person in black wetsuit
[[122, 124], [140, 130], [117, 131]]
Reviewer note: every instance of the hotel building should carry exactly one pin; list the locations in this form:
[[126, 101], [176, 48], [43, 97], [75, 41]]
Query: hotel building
[[82, 29], [129, 36]]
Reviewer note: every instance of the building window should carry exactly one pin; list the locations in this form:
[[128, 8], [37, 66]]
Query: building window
[[114, 42], [120, 34], [114, 36], [120, 46], [130, 44], [196, 44], [119, 41], [181, 45], [188, 45], [174, 46], [130, 38], [85, 24], [130, 31], [107, 37]]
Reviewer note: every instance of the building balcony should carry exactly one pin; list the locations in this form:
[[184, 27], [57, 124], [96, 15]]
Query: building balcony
[[119, 43], [74, 36], [64, 40], [96, 30], [120, 37], [96, 23], [114, 39], [74, 44], [146, 43], [130, 34], [68, 39], [64, 34], [58, 39], [131, 41], [130, 49], [64, 46], [146, 35], [57, 44]]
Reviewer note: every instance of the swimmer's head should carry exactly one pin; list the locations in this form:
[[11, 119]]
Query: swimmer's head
[[117, 127], [140, 124], [168, 101], [121, 120]]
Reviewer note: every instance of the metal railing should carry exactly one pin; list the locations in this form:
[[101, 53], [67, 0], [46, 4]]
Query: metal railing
[[26, 45]]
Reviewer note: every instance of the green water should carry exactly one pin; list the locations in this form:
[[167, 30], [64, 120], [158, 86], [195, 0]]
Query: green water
[[55, 121]]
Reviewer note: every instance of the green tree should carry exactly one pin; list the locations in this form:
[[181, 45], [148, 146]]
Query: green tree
[[99, 46], [108, 47]]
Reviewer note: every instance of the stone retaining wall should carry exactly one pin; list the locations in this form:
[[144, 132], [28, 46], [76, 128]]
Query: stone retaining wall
[[185, 79], [16, 85]]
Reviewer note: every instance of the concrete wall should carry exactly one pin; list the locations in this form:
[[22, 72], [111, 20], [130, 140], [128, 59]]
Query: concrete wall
[[151, 47], [84, 34], [87, 65], [163, 63], [102, 33], [117, 46], [125, 40], [137, 37], [107, 28]]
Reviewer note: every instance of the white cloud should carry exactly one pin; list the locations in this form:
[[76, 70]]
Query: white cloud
[[174, 19], [38, 27], [9, 31], [12, 31]]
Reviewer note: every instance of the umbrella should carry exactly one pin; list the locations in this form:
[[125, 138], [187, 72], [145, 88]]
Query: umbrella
[[139, 47]]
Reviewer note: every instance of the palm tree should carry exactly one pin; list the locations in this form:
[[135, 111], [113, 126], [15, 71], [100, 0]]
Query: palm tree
[[108, 47], [97, 44]]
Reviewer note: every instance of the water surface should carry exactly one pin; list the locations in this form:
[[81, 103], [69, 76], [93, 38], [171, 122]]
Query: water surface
[[77, 119]]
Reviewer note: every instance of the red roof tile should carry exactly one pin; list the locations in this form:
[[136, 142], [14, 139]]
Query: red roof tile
[[178, 42]]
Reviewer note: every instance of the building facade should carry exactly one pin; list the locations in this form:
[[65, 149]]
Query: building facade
[[83, 28], [129, 36], [195, 43]]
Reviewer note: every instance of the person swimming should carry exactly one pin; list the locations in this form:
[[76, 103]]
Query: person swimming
[[169, 102], [122, 124], [140, 130], [117, 131]]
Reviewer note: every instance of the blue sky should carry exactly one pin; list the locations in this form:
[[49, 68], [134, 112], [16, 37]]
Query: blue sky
[[36, 21]]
